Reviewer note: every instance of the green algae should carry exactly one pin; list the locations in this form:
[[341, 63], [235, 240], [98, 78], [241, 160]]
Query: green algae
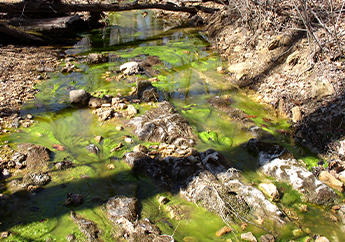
[[187, 79]]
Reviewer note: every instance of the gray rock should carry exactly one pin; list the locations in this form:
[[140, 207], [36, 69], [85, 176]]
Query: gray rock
[[92, 149], [79, 97], [150, 95], [276, 162], [95, 58], [36, 179], [119, 207], [130, 68], [163, 125]]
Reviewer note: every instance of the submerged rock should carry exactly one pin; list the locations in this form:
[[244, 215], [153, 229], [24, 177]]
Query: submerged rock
[[276, 162], [163, 125], [92, 149], [74, 199], [87, 227]]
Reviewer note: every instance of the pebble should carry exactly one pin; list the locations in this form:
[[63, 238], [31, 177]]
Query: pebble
[[129, 140]]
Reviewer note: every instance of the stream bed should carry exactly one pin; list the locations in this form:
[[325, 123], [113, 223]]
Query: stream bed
[[223, 117]]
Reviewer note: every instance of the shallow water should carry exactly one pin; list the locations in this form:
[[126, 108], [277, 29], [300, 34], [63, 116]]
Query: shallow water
[[188, 78]]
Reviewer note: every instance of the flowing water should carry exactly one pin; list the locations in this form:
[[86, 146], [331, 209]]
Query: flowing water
[[188, 77]]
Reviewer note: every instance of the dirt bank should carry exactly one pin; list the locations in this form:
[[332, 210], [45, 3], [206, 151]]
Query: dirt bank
[[303, 79]]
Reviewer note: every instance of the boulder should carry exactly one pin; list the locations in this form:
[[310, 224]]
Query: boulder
[[276, 162], [130, 68], [331, 181], [80, 96], [96, 58]]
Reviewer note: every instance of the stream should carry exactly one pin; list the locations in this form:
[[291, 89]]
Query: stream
[[188, 79]]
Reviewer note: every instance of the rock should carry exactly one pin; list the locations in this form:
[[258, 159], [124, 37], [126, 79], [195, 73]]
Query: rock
[[87, 227], [120, 207], [296, 114], [105, 114], [221, 70], [270, 190], [321, 88], [163, 200], [342, 176], [95, 58], [74, 199], [224, 230], [331, 181], [4, 234], [273, 44], [129, 140], [70, 237], [341, 213], [119, 128], [141, 148], [267, 238], [322, 239], [293, 58], [98, 138], [248, 237], [36, 179], [276, 162], [92, 149], [130, 68], [131, 111], [37, 157], [150, 95], [80, 96], [239, 67], [146, 92], [97, 102], [163, 125], [225, 106]]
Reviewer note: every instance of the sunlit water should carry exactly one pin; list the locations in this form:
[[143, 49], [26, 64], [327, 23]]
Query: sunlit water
[[188, 78]]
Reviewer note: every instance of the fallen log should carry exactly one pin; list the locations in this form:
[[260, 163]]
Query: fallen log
[[9, 32], [32, 7]]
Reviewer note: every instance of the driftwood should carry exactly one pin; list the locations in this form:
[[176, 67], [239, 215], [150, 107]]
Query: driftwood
[[34, 7]]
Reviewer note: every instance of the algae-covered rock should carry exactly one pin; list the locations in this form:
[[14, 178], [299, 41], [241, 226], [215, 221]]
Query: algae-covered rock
[[163, 125], [87, 227], [276, 162]]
